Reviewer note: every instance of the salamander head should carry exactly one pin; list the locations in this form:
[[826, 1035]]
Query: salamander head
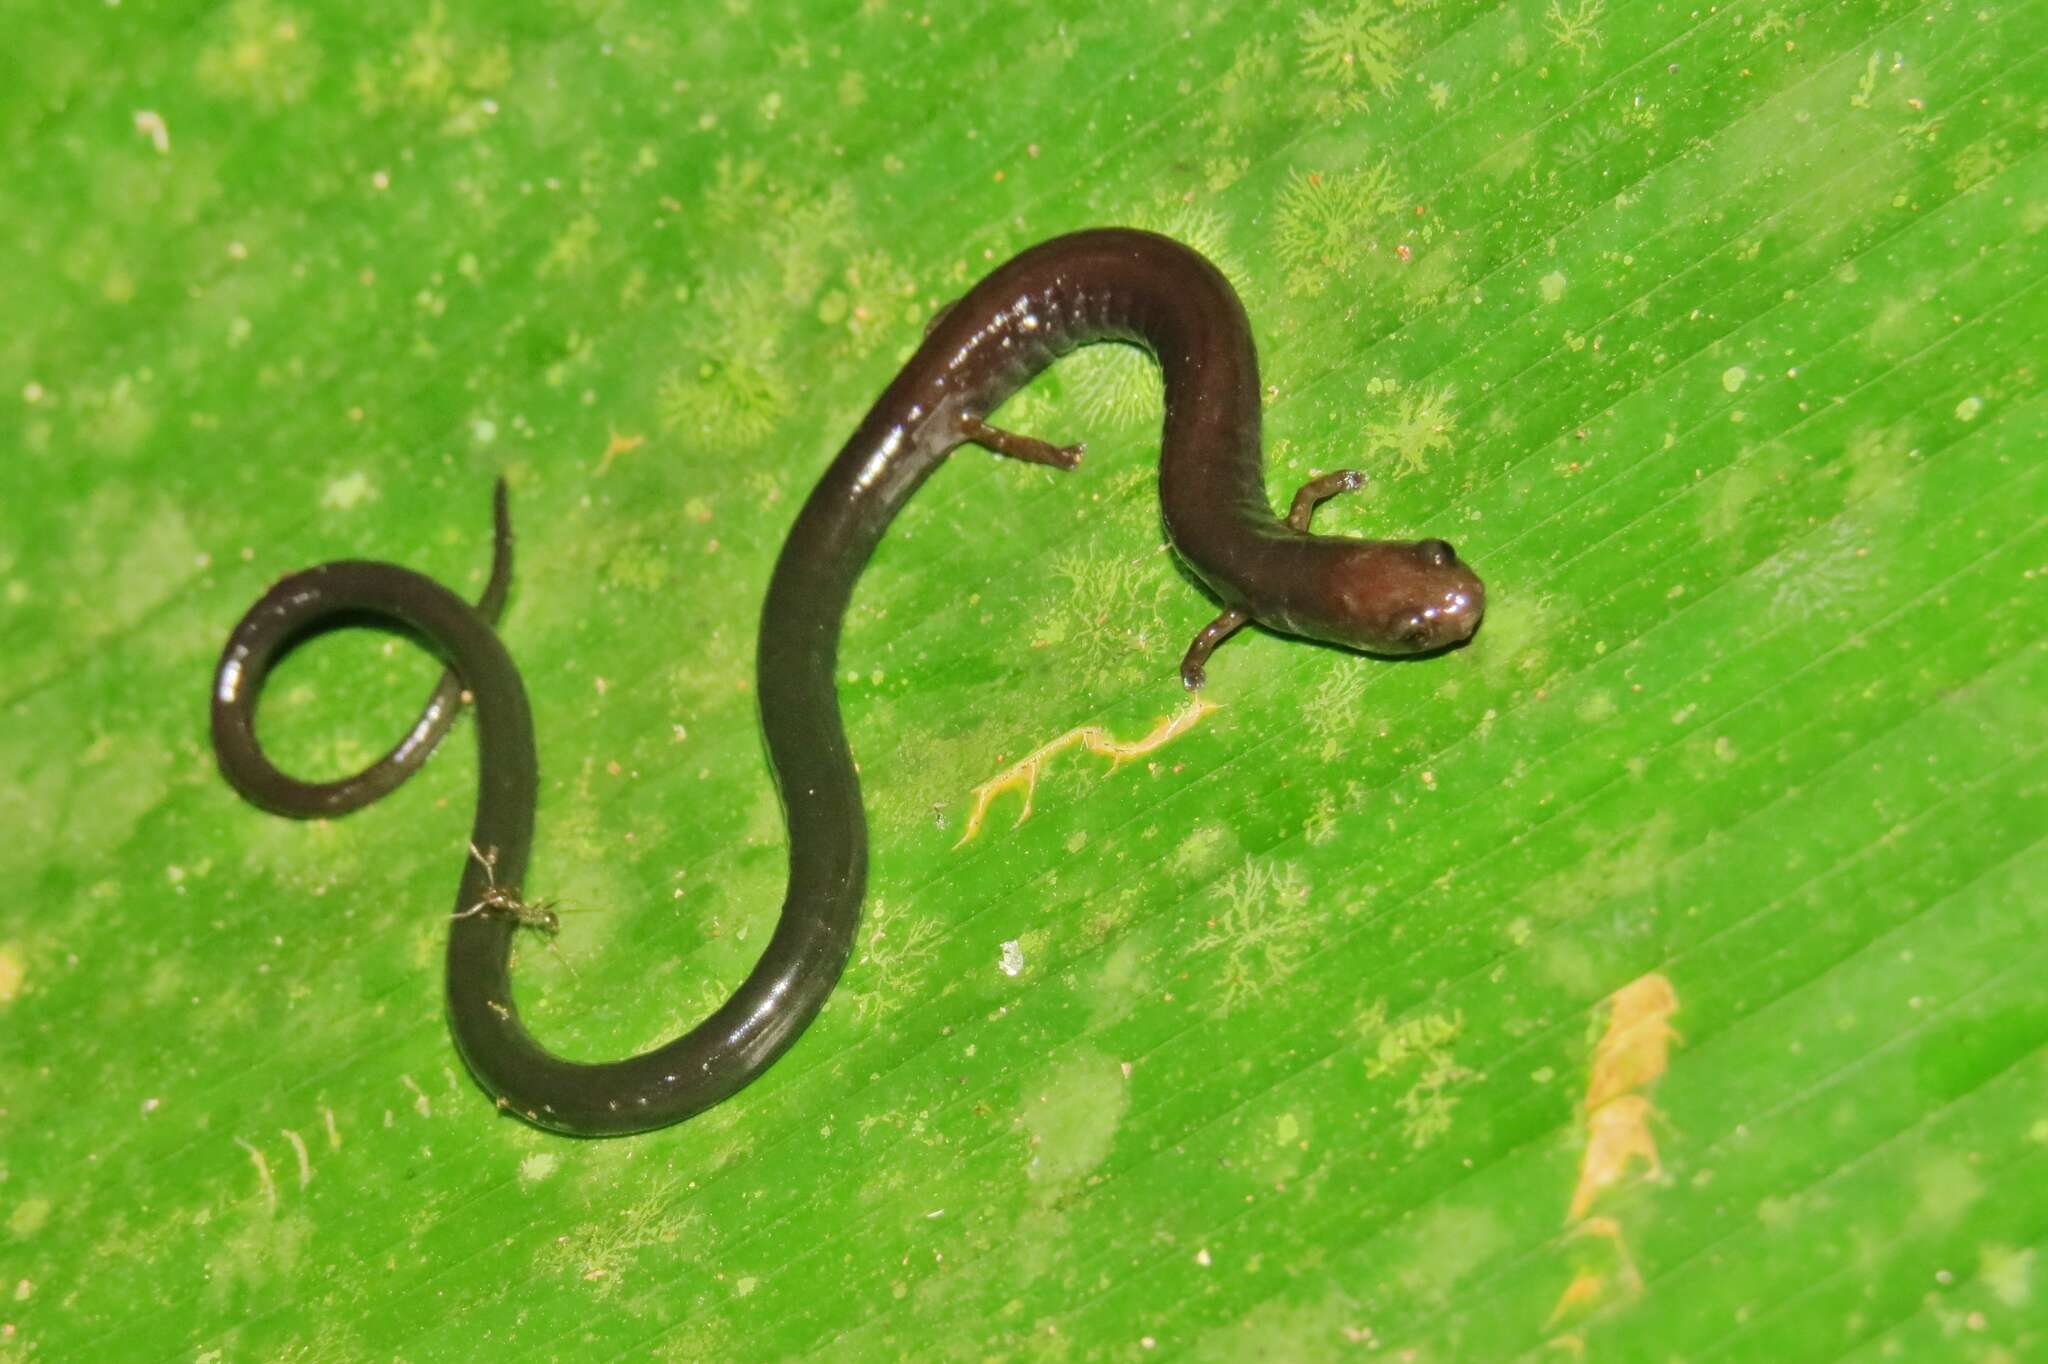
[[1401, 597]]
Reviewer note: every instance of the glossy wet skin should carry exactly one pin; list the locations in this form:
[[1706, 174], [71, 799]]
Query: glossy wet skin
[[1401, 597], [1388, 597]]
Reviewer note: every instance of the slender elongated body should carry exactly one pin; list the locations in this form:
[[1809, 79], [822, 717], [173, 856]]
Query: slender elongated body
[[1108, 284]]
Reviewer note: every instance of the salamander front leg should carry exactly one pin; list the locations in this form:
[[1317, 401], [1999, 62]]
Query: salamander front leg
[[1316, 491], [1030, 449], [1192, 673], [1193, 665]]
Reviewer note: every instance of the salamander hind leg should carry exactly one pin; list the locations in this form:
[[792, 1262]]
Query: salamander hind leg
[[1030, 449], [1316, 491], [1193, 671]]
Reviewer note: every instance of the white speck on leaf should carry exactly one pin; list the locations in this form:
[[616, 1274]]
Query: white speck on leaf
[[151, 125], [348, 493]]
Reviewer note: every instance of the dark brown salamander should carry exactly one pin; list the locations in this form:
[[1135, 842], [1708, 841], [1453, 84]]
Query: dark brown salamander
[[1384, 597]]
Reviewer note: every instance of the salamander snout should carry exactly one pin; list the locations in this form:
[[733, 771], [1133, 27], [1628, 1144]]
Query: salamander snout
[[1447, 615], [1401, 597]]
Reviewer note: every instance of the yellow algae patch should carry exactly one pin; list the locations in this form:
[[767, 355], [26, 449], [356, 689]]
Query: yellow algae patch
[[13, 971], [1616, 1133], [620, 444], [1591, 1281], [1584, 1290], [1637, 1044], [1633, 1052], [1609, 1230], [1022, 775]]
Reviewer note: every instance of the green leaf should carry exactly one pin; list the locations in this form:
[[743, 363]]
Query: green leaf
[[1657, 977]]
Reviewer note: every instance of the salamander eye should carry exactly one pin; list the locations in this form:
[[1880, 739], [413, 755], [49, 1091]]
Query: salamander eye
[[1438, 552]]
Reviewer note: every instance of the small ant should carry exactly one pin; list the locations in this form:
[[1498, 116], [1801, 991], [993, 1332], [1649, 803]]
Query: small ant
[[506, 902]]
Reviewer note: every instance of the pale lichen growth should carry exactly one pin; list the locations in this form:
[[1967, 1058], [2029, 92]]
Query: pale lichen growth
[[1420, 425], [736, 189], [1321, 824], [1240, 100], [600, 1253], [439, 70], [1980, 161], [731, 387], [1363, 50], [263, 57], [1332, 708], [1577, 31], [1201, 228], [1116, 386], [1867, 86], [815, 228], [733, 397], [569, 252], [1826, 571], [1111, 616], [1770, 26], [895, 954], [879, 297], [1423, 1044], [1426, 1106], [331, 1343], [1262, 931], [1328, 226]]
